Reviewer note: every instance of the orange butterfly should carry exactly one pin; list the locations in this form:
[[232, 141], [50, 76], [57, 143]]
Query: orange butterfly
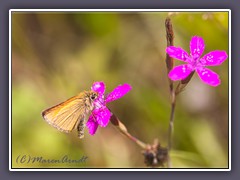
[[71, 113]]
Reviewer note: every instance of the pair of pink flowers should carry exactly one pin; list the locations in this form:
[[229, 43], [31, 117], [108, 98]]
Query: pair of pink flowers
[[100, 116]]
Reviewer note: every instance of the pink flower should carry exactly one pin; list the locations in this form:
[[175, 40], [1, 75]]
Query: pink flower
[[195, 62], [100, 116]]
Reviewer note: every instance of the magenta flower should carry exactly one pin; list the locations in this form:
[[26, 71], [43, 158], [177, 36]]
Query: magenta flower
[[100, 116], [195, 62]]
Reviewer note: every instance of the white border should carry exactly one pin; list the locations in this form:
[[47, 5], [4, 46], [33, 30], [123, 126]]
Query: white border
[[114, 10]]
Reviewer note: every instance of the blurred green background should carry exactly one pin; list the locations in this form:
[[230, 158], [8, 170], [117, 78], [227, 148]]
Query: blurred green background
[[55, 55]]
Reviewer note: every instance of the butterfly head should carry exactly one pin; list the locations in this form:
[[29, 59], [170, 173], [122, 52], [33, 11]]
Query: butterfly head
[[93, 95], [90, 97]]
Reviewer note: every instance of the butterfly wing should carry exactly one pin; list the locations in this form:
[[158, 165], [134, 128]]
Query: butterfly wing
[[67, 115]]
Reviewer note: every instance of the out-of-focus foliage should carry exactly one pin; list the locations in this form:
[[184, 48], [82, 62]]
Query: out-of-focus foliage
[[57, 55]]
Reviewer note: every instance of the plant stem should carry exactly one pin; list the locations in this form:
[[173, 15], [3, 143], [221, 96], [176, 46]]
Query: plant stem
[[169, 63], [122, 128], [171, 127]]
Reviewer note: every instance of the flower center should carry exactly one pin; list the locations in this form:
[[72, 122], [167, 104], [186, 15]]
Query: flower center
[[194, 61]]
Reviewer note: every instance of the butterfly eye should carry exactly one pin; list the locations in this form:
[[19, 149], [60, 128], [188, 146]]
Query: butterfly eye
[[93, 97]]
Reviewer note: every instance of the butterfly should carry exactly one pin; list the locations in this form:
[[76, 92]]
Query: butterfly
[[71, 113]]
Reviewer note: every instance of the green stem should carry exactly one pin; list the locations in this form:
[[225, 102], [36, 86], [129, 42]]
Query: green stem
[[122, 128], [171, 127]]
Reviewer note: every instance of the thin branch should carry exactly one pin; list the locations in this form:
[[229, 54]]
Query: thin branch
[[169, 63], [171, 127], [169, 37], [154, 154], [117, 123]]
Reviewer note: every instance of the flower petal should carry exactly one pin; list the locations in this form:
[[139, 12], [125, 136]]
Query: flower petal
[[102, 116], [180, 72], [99, 87], [118, 92], [99, 103], [209, 77], [214, 58], [177, 53], [92, 125], [196, 47]]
